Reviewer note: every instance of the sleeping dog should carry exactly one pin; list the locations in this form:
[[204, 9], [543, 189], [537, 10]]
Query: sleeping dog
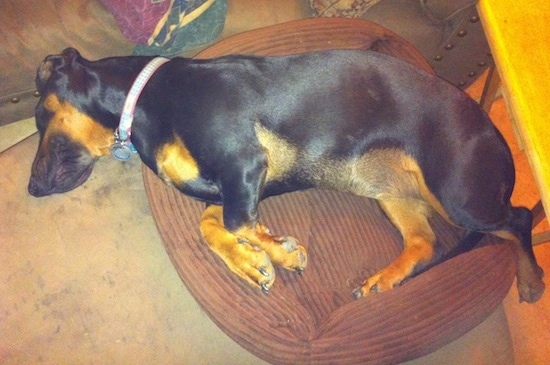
[[234, 130]]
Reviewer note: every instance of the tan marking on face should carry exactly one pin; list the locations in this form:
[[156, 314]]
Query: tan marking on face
[[281, 154], [175, 165], [78, 126]]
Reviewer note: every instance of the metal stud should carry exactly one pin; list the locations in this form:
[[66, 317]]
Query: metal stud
[[472, 74], [449, 46], [462, 33], [36, 94], [15, 100], [438, 58], [474, 19]]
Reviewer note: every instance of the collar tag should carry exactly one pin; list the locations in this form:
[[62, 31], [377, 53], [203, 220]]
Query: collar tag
[[122, 149]]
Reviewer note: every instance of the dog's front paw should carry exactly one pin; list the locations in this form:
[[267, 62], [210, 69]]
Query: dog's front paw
[[285, 251], [243, 258], [288, 253], [248, 262]]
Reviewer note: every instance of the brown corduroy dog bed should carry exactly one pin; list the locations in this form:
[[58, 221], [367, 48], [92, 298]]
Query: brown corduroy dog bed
[[313, 319]]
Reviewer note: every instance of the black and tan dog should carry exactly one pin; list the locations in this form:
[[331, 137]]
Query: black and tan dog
[[234, 130]]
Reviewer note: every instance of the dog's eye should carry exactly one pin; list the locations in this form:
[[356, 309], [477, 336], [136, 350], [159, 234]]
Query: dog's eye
[[58, 141], [62, 145], [42, 116]]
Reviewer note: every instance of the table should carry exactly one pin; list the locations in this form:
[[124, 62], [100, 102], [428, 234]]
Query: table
[[518, 33]]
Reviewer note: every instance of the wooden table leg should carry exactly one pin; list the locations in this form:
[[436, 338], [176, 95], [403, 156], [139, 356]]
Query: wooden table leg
[[490, 89], [538, 216]]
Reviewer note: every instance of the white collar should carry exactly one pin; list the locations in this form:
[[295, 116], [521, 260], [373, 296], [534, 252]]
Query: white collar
[[123, 148]]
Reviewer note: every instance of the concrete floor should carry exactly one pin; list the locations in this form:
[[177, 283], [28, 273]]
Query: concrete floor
[[84, 278]]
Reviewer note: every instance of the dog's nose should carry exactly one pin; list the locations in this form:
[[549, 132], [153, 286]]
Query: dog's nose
[[34, 188]]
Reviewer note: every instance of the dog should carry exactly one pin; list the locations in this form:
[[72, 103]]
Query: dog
[[234, 130]]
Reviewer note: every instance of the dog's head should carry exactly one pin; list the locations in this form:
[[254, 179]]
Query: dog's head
[[71, 139]]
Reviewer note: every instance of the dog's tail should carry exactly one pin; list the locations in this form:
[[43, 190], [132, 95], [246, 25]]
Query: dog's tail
[[468, 242]]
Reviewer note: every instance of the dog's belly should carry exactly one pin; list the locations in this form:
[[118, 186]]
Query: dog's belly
[[382, 173], [378, 174]]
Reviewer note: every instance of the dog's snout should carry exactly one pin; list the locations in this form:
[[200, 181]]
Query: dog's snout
[[34, 187]]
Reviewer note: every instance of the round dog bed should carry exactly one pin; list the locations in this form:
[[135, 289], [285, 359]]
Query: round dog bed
[[313, 319]]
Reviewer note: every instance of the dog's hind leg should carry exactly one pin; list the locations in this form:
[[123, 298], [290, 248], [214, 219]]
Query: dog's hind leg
[[529, 274], [410, 216]]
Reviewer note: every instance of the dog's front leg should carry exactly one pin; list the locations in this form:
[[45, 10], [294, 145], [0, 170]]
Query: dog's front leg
[[233, 232], [250, 250], [246, 261]]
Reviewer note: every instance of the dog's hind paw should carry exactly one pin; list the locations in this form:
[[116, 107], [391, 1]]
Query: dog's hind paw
[[530, 293], [382, 281], [531, 289]]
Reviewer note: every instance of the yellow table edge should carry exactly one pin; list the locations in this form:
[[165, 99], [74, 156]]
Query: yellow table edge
[[519, 36]]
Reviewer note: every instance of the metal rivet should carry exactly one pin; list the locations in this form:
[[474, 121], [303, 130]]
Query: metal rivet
[[461, 83], [482, 64], [474, 19], [438, 58], [462, 33], [36, 94], [449, 46], [15, 100], [472, 74]]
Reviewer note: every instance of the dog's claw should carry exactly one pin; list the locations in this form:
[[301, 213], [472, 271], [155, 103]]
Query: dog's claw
[[265, 288], [242, 241], [300, 271], [263, 271], [357, 294]]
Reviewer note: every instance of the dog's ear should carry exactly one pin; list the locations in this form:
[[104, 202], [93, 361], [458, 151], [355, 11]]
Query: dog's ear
[[52, 64]]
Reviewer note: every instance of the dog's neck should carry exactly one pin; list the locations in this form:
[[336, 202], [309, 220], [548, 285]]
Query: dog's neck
[[123, 148]]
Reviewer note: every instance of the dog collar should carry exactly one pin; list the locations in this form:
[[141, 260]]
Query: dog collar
[[123, 148]]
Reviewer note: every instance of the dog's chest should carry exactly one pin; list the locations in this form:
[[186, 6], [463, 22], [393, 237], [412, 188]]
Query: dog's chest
[[175, 165]]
